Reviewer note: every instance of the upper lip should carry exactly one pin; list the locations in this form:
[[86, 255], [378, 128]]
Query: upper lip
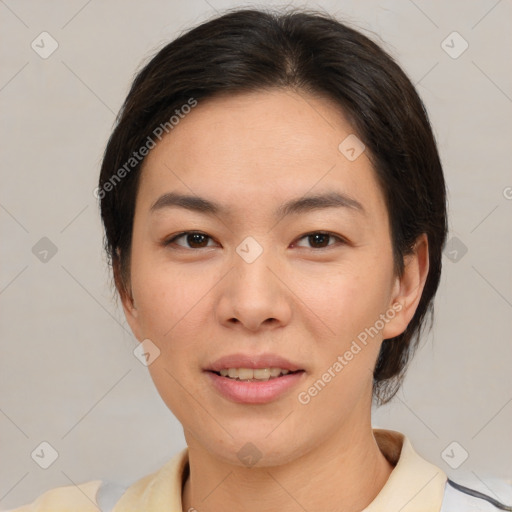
[[252, 361]]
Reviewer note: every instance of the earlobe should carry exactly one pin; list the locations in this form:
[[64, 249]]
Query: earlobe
[[408, 288], [129, 305], [132, 314], [128, 302]]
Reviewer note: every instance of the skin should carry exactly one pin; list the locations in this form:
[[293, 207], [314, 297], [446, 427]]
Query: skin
[[299, 299]]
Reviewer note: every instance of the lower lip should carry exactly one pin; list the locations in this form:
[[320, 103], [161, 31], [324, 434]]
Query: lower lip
[[244, 392]]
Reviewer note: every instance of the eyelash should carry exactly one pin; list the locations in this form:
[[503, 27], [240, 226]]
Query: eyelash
[[340, 239]]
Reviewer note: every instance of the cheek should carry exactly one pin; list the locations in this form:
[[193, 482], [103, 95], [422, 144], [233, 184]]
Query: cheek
[[347, 299], [166, 294], [350, 303]]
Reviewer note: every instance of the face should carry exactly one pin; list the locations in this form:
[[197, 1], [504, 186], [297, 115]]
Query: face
[[239, 281]]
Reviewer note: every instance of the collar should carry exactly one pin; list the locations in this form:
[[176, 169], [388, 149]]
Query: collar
[[414, 485]]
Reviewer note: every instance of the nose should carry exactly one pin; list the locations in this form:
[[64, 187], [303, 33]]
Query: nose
[[253, 297]]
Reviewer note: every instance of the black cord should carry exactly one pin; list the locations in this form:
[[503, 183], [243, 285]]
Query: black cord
[[476, 494]]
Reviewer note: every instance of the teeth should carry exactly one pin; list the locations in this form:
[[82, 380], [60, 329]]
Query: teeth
[[245, 373], [261, 374], [253, 374], [274, 372]]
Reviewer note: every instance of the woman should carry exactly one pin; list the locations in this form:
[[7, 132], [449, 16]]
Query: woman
[[274, 210]]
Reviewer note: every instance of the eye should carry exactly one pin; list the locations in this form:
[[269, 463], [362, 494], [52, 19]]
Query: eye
[[321, 239], [199, 240], [193, 240]]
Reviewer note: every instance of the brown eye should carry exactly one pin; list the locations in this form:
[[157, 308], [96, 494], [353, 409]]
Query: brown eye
[[320, 240], [193, 240]]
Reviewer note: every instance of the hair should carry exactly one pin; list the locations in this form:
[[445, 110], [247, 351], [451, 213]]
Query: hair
[[248, 50]]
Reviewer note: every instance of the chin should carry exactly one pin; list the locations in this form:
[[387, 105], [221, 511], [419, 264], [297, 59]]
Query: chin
[[259, 450]]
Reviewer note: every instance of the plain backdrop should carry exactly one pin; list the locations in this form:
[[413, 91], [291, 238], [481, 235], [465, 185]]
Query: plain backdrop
[[68, 374]]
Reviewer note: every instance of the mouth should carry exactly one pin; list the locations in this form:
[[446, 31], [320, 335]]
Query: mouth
[[254, 374], [254, 379]]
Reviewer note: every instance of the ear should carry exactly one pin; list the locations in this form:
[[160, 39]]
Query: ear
[[127, 300], [408, 288]]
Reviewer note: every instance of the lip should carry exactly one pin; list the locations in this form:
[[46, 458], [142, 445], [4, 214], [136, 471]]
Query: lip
[[262, 392], [246, 392], [253, 361]]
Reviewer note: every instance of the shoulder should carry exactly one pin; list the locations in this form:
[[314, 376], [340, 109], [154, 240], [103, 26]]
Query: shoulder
[[107, 496], [493, 496], [79, 498]]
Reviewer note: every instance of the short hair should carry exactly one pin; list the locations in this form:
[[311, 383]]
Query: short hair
[[246, 50]]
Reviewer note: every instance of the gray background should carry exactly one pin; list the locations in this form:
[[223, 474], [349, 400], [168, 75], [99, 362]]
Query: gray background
[[68, 373]]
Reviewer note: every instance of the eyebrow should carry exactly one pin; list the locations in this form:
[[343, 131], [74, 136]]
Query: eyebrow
[[295, 206]]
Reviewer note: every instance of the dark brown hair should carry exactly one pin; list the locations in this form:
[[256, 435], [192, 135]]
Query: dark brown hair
[[248, 50]]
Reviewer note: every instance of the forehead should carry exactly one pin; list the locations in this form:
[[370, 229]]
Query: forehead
[[261, 144]]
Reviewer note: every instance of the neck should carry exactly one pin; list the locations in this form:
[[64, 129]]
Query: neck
[[345, 473]]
